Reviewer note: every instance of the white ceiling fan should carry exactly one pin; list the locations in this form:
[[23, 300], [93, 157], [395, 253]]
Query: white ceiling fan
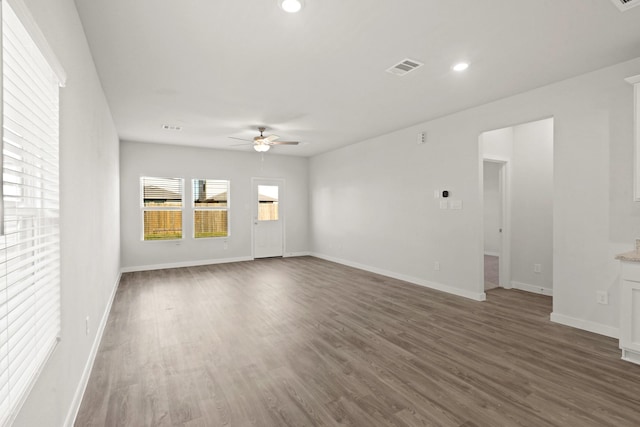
[[263, 143]]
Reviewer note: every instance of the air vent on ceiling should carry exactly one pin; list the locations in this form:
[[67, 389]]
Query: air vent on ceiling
[[626, 4], [406, 66], [172, 127]]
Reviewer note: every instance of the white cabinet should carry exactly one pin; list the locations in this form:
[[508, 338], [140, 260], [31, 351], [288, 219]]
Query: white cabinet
[[630, 312]]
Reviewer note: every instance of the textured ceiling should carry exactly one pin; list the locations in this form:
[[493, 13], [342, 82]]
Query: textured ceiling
[[221, 68]]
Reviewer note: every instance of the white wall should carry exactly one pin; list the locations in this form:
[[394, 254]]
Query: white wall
[[89, 216], [492, 208], [141, 159], [372, 203], [373, 207], [532, 206], [497, 144]]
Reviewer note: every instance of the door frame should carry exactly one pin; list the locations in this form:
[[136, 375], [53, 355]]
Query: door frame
[[504, 180], [281, 212]]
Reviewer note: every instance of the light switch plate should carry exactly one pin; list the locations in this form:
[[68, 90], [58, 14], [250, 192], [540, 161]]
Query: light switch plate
[[456, 204], [444, 204], [602, 297]]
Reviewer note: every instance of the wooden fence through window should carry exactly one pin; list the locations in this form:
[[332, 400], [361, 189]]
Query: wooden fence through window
[[159, 225]]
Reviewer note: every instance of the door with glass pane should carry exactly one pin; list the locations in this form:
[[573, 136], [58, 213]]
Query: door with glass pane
[[267, 218]]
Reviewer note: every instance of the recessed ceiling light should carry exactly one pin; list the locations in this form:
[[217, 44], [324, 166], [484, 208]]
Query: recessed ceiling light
[[460, 66], [291, 6]]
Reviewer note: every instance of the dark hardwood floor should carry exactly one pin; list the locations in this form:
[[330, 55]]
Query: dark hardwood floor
[[305, 342]]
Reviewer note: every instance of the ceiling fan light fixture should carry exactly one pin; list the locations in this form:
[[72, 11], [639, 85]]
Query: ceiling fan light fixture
[[261, 148], [460, 66], [291, 6]]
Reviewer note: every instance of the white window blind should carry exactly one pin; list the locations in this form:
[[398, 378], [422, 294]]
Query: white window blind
[[30, 248]]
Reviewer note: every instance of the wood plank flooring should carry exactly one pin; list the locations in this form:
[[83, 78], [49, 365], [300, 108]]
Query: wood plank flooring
[[306, 342]]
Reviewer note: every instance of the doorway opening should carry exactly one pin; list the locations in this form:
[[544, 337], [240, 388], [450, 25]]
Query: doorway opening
[[517, 195], [496, 252]]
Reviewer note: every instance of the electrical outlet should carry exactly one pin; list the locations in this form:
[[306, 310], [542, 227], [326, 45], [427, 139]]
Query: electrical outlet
[[225, 245], [86, 325], [537, 268], [602, 297], [436, 266]]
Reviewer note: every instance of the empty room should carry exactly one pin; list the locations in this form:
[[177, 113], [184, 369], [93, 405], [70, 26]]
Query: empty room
[[320, 213]]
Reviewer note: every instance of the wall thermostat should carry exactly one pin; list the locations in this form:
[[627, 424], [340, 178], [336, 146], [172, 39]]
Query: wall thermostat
[[445, 193]]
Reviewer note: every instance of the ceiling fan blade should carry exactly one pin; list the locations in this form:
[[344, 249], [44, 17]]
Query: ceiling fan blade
[[241, 139], [271, 138], [285, 143], [246, 144]]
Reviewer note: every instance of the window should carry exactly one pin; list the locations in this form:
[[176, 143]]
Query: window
[[211, 208], [162, 208], [30, 242], [268, 203]]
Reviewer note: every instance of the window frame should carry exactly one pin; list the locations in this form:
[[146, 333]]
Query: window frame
[[270, 202], [144, 208], [195, 208]]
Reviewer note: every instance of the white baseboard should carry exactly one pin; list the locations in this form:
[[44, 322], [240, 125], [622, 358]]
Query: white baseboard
[[586, 325], [476, 296], [184, 264], [86, 373], [295, 254], [492, 253], [531, 288]]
